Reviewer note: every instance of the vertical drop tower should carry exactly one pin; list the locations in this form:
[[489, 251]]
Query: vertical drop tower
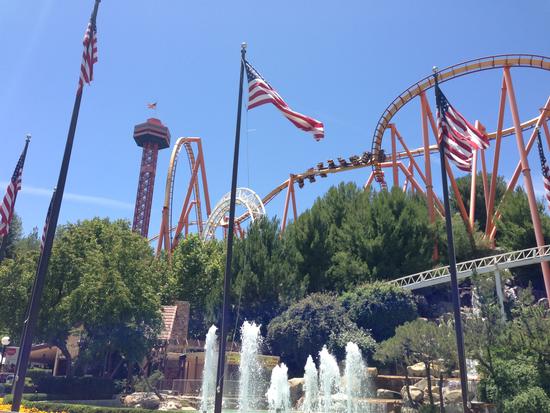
[[151, 136]]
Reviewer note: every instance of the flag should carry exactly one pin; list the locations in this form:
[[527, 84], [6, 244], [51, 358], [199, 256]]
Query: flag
[[89, 56], [46, 224], [260, 93], [8, 203], [545, 169], [459, 136], [152, 105]]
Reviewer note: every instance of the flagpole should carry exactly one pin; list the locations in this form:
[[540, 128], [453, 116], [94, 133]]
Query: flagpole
[[452, 270], [4, 244], [34, 306], [227, 276]]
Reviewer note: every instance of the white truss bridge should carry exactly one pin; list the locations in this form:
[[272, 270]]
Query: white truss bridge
[[493, 263]]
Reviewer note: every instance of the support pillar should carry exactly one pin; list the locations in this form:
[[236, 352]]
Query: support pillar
[[500, 295], [528, 183]]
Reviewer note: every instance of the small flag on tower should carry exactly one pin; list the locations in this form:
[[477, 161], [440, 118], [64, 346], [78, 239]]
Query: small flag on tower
[[459, 136], [545, 169], [8, 203], [89, 55], [260, 92]]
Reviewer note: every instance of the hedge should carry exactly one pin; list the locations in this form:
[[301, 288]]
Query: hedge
[[33, 397], [80, 388], [81, 408]]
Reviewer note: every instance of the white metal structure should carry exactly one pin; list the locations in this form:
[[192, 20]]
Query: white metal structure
[[493, 263], [245, 197]]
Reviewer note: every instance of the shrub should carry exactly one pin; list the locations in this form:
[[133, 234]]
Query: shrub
[[380, 308], [309, 324], [81, 408], [509, 379], [85, 388], [531, 400], [36, 375], [34, 397]]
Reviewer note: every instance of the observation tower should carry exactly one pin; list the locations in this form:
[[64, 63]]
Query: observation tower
[[151, 136]]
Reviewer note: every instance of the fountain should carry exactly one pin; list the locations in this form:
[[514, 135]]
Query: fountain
[[311, 386], [353, 373], [208, 388], [278, 394], [249, 367], [329, 378]]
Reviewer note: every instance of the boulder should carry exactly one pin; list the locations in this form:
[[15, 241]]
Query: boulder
[[417, 370], [372, 372], [453, 396], [142, 400], [387, 394], [417, 395], [296, 385]]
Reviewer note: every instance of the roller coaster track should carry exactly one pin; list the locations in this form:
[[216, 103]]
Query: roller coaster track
[[480, 266], [451, 72], [192, 198], [325, 171]]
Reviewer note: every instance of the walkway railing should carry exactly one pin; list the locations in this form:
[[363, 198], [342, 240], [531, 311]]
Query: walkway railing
[[479, 266]]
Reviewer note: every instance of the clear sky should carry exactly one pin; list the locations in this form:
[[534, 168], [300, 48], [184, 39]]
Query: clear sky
[[340, 62]]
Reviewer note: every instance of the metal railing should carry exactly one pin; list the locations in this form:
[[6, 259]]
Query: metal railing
[[479, 266]]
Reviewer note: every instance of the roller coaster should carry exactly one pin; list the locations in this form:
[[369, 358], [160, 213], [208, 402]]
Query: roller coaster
[[405, 164]]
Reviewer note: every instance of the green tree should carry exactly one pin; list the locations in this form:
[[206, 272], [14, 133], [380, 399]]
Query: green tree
[[420, 341], [515, 232], [99, 281], [464, 184], [266, 277], [515, 227], [380, 308], [350, 236], [16, 278], [197, 277], [14, 236], [310, 323]]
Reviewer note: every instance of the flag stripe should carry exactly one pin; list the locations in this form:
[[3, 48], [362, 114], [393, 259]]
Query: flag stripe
[[261, 93], [89, 56], [459, 136], [8, 202]]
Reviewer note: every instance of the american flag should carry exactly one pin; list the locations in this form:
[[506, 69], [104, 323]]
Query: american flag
[[545, 170], [260, 92], [46, 224], [459, 136], [89, 56], [8, 203]]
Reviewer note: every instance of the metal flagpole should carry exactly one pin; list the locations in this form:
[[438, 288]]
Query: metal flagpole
[[4, 243], [452, 268], [30, 322], [227, 276]]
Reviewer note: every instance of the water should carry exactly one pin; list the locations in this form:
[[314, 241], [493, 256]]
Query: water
[[311, 386], [329, 378], [208, 388], [354, 371], [249, 367], [278, 394]]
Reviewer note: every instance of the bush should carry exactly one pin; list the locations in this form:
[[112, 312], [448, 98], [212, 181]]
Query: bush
[[34, 397], [81, 408], [529, 401], [309, 324], [85, 388], [380, 308], [36, 375], [510, 378]]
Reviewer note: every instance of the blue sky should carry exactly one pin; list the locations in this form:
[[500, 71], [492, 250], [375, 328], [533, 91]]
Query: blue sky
[[340, 62]]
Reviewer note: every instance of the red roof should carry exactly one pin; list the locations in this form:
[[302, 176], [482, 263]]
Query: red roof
[[168, 317]]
